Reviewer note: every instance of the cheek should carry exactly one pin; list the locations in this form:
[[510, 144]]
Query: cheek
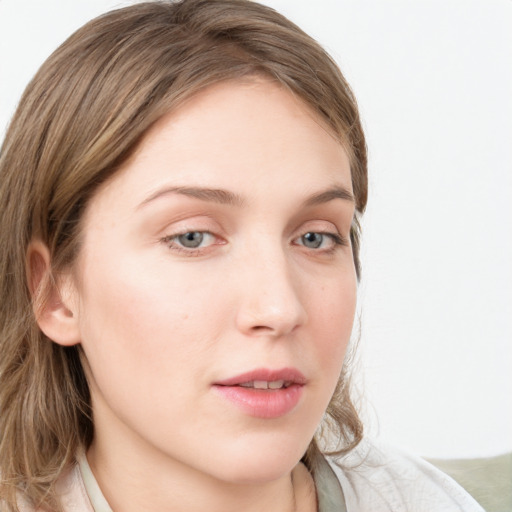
[[149, 339], [143, 319], [334, 310]]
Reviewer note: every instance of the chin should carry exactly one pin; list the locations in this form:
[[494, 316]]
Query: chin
[[260, 462]]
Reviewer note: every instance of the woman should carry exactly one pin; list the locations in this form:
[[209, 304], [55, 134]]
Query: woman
[[181, 186]]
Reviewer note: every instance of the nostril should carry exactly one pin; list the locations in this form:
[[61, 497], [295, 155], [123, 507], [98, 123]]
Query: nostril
[[261, 328]]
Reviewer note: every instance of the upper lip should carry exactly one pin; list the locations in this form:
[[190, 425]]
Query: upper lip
[[289, 375]]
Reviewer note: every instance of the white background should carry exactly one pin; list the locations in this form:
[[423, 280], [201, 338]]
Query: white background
[[434, 83]]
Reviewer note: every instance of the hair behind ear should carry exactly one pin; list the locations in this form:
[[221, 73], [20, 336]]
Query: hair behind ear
[[44, 398]]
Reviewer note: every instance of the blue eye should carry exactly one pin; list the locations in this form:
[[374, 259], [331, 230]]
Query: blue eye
[[312, 240], [323, 241], [191, 240]]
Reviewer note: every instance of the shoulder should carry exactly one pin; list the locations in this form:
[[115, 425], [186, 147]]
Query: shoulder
[[375, 477]]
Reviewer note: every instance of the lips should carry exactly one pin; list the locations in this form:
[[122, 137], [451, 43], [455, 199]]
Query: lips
[[264, 393], [287, 375]]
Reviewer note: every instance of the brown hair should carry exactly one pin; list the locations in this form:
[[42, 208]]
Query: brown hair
[[79, 119]]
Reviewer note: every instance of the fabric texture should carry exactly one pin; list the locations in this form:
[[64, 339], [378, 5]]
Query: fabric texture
[[377, 478], [372, 478]]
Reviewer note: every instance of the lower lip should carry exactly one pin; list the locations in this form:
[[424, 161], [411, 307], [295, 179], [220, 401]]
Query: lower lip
[[263, 403]]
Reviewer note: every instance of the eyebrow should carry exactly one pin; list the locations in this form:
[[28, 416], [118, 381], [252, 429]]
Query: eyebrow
[[221, 196], [336, 192], [214, 195]]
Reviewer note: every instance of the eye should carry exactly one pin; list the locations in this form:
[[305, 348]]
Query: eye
[[312, 240], [318, 240], [190, 240]]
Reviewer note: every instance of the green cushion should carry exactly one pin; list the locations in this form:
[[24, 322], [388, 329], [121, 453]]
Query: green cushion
[[488, 480]]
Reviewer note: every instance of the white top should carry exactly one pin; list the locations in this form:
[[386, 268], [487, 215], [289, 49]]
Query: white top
[[376, 478], [372, 478]]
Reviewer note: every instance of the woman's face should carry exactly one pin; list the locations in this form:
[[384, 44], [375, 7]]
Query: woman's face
[[218, 262]]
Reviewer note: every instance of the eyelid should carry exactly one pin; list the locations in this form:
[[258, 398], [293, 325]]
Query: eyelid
[[319, 225]]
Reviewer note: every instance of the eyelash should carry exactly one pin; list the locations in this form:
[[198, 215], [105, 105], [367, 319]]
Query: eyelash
[[337, 239]]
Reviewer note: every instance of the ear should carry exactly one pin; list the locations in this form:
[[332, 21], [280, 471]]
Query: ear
[[54, 301]]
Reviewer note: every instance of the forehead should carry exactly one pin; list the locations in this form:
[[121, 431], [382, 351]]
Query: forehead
[[237, 133], [240, 115]]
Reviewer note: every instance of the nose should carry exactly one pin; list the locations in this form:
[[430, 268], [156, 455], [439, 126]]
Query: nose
[[270, 302]]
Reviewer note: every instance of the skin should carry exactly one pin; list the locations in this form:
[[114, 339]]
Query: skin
[[160, 323]]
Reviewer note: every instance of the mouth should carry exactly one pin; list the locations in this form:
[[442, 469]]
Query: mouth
[[264, 393], [264, 378]]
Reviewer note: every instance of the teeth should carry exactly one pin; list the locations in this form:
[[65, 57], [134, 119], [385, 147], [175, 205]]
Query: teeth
[[263, 384], [276, 384]]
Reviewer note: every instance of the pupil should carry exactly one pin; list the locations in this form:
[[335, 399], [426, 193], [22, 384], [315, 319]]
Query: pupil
[[312, 240], [192, 239]]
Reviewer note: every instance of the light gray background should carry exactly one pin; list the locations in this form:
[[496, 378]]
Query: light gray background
[[434, 83]]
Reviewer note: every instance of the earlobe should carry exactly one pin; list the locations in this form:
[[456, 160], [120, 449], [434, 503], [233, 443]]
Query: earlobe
[[52, 299]]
